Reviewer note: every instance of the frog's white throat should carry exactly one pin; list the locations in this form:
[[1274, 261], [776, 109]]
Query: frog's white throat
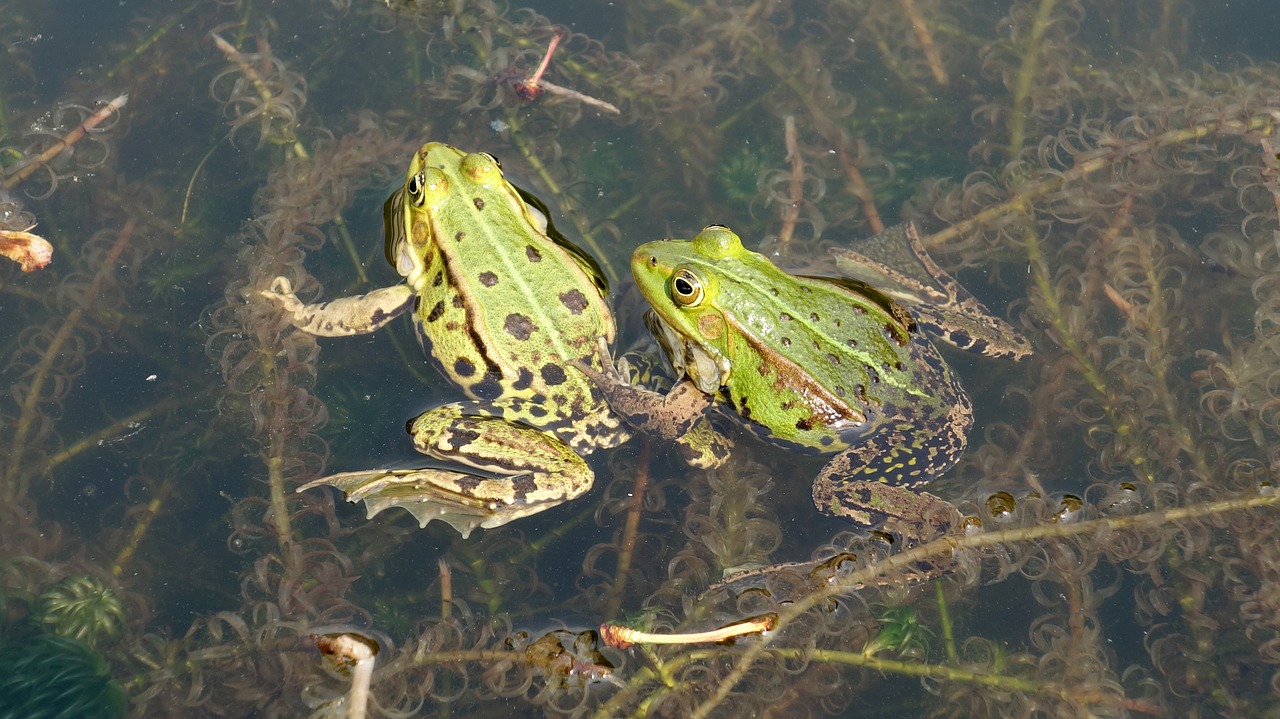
[[708, 372]]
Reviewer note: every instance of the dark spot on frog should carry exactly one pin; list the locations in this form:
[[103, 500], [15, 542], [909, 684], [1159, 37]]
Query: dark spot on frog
[[524, 380], [378, 317], [961, 338], [519, 326], [436, 311], [840, 391], [553, 374], [813, 316], [537, 410], [539, 398], [804, 424], [834, 359], [860, 309], [889, 409], [488, 279], [463, 367], [837, 321], [826, 440], [460, 235], [786, 341], [574, 300], [851, 342], [457, 301], [489, 388], [522, 485], [461, 436], [532, 253], [784, 317], [479, 203], [438, 279], [772, 290]]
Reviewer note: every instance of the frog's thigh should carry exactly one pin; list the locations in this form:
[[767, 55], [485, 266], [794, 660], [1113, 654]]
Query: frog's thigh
[[678, 416], [872, 482], [345, 316], [537, 467], [668, 416]]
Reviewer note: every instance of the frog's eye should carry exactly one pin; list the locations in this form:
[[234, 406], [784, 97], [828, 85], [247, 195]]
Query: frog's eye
[[414, 186], [686, 288]]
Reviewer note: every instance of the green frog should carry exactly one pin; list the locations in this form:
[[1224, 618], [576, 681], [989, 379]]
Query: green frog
[[509, 310], [831, 366]]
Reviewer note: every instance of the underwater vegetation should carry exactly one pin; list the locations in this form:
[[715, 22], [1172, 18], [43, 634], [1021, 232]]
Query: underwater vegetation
[[1095, 171], [49, 677]]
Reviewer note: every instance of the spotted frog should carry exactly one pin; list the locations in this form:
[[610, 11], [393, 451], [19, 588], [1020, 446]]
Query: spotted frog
[[508, 309], [832, 366]]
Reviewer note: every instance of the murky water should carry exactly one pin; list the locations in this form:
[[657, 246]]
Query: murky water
[[1102, 175]]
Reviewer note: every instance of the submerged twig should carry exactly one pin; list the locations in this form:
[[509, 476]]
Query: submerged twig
[[71, 138], [623, 637], [795, 186], [925, 37], [630, 531], [529, 88]]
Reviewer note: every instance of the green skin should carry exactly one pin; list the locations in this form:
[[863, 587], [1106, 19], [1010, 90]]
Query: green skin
[[507, 308], [816, 365]]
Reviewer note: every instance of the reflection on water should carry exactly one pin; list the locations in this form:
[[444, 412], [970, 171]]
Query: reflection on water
[[1102, 176]]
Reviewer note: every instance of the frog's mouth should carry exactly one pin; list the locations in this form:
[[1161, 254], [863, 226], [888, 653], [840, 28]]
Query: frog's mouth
[[687, 358]]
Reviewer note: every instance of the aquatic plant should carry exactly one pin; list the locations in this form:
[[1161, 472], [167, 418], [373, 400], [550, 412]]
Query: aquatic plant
[[51, 677], [82, 608]]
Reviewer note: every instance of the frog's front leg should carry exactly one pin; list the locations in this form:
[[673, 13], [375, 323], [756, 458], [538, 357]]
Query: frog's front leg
[[535, 471], [876, 481], [344, 316], [678, 416]]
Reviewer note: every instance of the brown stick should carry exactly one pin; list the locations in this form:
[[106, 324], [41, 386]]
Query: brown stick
[[67, 140], [629, 532], [795, 189], [925, 38]]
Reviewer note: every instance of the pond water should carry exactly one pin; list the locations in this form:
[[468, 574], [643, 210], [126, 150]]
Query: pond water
[[1102, 176]]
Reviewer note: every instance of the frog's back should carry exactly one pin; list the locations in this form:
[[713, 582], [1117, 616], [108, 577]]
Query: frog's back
[[824, 364], [504, 302]]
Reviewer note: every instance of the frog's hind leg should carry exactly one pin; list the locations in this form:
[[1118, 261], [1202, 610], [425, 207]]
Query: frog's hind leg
[[874, 482], [534, 471]]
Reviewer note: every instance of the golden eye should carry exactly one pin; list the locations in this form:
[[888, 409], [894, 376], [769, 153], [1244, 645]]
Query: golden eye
[[686, 288]]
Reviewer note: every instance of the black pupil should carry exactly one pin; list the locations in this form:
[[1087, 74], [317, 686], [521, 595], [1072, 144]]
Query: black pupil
[[415, 184], [683, 287]]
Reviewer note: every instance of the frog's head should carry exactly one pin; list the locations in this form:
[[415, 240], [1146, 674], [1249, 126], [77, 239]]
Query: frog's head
[[681, 282], [426, 184]]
